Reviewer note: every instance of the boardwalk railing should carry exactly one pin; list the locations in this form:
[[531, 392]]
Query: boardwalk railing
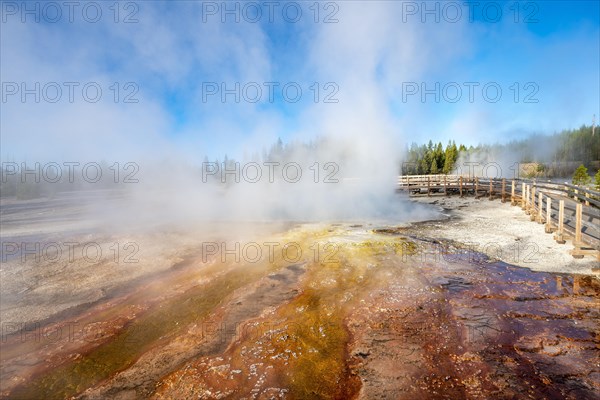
[[569, 211]]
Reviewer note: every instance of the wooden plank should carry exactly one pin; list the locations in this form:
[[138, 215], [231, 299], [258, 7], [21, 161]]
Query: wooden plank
[[580, 252]]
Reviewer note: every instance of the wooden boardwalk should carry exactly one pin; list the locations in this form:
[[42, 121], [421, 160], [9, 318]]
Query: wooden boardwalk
[[570, 212]]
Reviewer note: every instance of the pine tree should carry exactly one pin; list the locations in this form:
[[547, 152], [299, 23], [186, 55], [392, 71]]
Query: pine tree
[[581, 177], [434, 167], [422, 168], [597, 178], [439, 155], [450, 157]]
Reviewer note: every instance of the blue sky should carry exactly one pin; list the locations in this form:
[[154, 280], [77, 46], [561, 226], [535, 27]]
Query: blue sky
[[365, 58]]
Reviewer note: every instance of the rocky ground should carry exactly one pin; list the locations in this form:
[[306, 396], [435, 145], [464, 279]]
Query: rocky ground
[[335, 311], [503, 232]]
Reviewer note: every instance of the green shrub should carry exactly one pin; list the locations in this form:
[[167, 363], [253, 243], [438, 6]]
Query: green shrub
[[581, 177]]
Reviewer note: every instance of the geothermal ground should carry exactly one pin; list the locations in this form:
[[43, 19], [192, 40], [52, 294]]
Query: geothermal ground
[[298, 311]]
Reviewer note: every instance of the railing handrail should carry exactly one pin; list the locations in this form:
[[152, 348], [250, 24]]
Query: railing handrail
[[536, 199], [541, 184]]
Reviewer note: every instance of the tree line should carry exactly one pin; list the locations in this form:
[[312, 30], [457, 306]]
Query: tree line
[[554, 154], [431, 158]]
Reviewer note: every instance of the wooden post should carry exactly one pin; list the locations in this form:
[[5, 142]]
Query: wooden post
[[577, 243], [428, 185], [560, 233], [575, 284], [503, 189], [476, 186], [540, 210], [575, 195], [491, 188], [578, 215], [513, 200], [587, 196], [523, 196], [548, 215], [445, 186], [531, 209], [460, 186]]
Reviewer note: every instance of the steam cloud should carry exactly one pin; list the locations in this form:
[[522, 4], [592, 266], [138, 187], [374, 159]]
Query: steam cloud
[[171, 51]]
